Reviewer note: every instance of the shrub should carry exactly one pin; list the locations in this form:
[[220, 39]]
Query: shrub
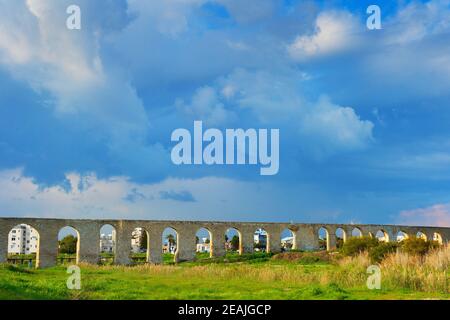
[[235, 243], [18, 269], [303, 257], [322, 244], [309, 259], [419, 273], [68, 244], [418, 246], [400, 270], [355, 246], [378, 253]]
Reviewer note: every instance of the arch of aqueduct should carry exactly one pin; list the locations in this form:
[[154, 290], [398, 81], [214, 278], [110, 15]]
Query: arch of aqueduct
[[306, 236]]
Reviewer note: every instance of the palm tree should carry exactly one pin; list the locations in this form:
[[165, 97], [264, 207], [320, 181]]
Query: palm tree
[[171, 239]]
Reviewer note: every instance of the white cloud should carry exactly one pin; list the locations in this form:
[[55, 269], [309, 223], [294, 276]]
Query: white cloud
[[206, 106], [277, 100], [228, 91], [88, 196], [334, 31], [170, 18], [272, 97], [34, 32], [15, 44], [436, 215], [339, 127], [418, 20], [208, 198], [418, 32], [36, 46], [337, 31]]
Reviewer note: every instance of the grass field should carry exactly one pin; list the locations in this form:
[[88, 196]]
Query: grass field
[[256, 276]]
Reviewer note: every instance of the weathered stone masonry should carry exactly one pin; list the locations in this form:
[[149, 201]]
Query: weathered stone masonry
[[306, 236]]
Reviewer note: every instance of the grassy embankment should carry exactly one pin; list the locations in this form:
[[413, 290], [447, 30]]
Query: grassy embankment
[[294, 275]]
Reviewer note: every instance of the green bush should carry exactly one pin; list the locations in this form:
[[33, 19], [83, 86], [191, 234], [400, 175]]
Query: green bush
[[378, 250], [303, 257], [68, 245], [22, 256], [339, 243], [356, 245], [377, 253], [106, 255], [255, 257], [309, 259], [418, 246]]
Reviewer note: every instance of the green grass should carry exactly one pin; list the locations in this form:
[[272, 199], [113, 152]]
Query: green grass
[[251, 276], [22, 256]]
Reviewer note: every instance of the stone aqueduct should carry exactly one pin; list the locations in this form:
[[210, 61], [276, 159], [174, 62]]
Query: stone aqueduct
[[306, 236]]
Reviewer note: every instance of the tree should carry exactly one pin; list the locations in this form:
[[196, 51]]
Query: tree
[[339, 242], [171, 239], [417, 246], [68, 244], [356, 245], [143, 241], [378, 253], [235, 243]]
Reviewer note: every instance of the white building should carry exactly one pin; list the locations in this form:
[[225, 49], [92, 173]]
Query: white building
[[136, 237], [260, 238], [108, 242], [23, 239], [204, 246]]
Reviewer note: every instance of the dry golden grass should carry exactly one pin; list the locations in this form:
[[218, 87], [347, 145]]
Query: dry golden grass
[[427, 273], [398, 271]]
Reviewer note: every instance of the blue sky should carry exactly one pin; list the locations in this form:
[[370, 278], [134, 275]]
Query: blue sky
[[86, 115]]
